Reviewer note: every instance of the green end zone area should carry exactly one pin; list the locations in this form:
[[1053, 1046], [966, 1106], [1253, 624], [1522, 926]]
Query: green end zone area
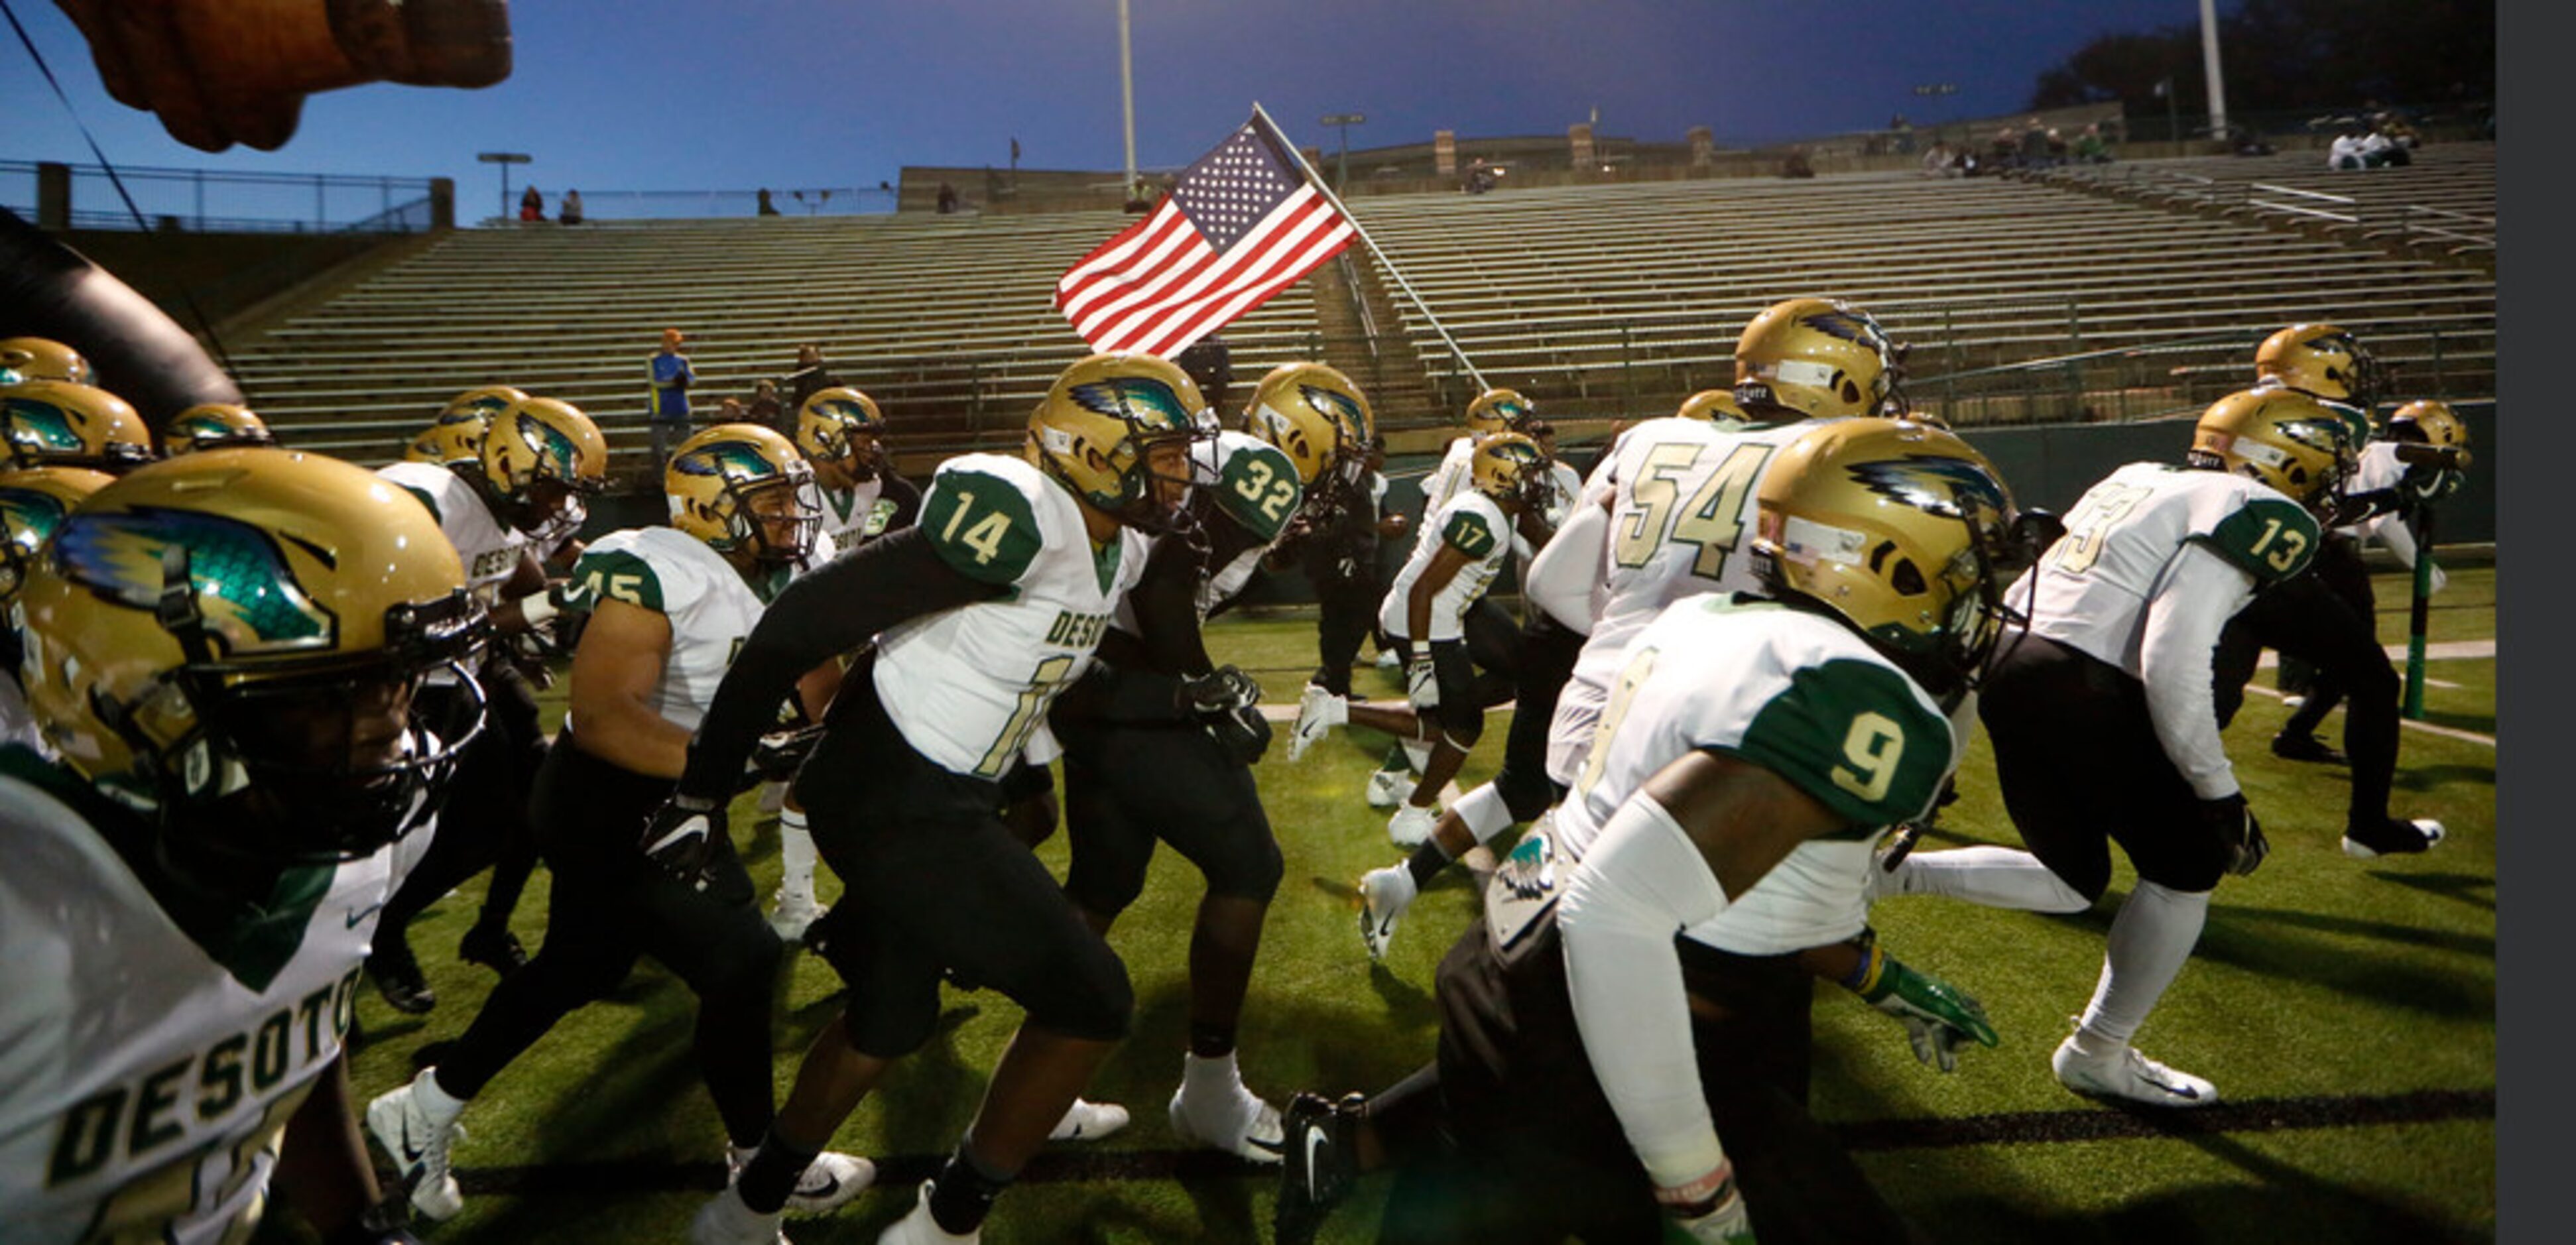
[[2344, 1008]]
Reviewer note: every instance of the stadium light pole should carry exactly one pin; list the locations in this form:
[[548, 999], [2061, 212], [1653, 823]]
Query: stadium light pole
[[1127, 97], [2209, 62], [505, 159], [1344, 121]]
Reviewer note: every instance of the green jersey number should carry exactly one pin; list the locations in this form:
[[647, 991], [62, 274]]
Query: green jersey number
[[2102, 509], [1044, 681], [1713, 517]]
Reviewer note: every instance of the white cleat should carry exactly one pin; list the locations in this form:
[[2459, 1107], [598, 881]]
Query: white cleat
[[918, 1228], [1384, 895], [1245, 1127], [1089, 1121], [418, 1140], [1388, 787], [2398, 837], [2127, 1074], [829, 1182], [724, 1220], [1411, 826], [1318, 711], [789, 914], [1387, 660]]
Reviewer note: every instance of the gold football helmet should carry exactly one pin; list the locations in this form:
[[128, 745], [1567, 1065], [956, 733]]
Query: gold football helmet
[[33, 502], [1510, 468], [2298, 444], [42, 358], [715, 478], [841, 426], [213, 425], [2434, 424], [457, 434], [1099, 420], [240, 644], [62, 424], [1715, 406], [536, 454], [2323, 360], [1900, 528], [1499, 410], [1316, 416], [1820, 358]]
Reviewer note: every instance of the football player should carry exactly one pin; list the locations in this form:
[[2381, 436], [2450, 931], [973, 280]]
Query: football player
[[457, 433], [861, 498], [2101, 713], [56, 423], [43, 358], [250, 663], [213, 425], [33, 501], [981, 614], [537, 457], [1179, 770], [1638, 987], [1461, 652], [1669, 514], [669, 605]]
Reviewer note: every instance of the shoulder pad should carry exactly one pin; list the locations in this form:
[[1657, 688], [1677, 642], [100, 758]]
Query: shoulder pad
[[615, 572], [2269, 538], [1853, 734], [1468, 531], [982, 524], [1257, 487]]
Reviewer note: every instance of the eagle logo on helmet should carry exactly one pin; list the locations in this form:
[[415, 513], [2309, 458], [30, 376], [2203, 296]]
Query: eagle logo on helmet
[[1145, 403], [556, 454], [731, 460], [238, 575], [1951, 487], [1340, 405], [29, 516], [37, 427]]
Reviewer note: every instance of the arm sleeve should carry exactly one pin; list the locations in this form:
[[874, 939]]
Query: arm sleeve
[[2392, 531], [1118, 694], [1641, 883], [1561, 577], [836, 608], [2199, 591], [1165, 599], [906, 496]]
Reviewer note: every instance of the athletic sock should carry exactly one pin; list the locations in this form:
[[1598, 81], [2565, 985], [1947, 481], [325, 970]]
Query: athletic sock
[[1997, 877], [2151, 939], [962, 1194], [795, 854], [1210, 1040], [1426, 862], [772, 1173]]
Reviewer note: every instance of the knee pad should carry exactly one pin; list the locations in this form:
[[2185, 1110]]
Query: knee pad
[[1462, 724]]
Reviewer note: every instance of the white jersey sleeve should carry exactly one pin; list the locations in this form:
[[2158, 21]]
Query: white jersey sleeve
[[1445, 482], [1256, 487], [968, 686], [146, 1078], [489, 549], [709, 606], [1478, 529]]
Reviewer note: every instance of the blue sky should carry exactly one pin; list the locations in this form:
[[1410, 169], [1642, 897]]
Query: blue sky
[[667, 94]]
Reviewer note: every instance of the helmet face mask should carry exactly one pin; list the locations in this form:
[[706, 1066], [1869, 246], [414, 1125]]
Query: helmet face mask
[[262, 651], [741, 488], [2299, 445], [1117, 429], [2324, 361], [1510, 468], [1819, 358], [1901, 530]]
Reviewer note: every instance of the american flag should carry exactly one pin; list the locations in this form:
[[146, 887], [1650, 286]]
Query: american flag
[[1241, 225]]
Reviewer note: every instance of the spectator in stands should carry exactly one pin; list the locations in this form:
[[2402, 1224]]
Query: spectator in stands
[[2397, 129], [1942, 160], [2090, 147], [2034, 145], [532, 206], [671, 376], [1210, 364], [809, 377], [767, 208], [1797, 164], [571, 210], [947, 199], [2006, 151], [766, 410], [1480, 178]]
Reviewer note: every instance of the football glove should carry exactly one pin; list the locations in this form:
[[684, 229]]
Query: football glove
[[1222, 690], [1939, 1018], [680, 836], [776, 756], [1421, 681], [1719, 1219], [2240, 837]]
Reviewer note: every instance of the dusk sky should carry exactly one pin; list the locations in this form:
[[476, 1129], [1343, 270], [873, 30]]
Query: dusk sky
[[681, 95]]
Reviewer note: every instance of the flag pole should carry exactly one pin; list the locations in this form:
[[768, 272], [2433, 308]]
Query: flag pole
[[1262, 115]]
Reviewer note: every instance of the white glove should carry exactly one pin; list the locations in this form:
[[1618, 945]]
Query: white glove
[[2434, 584], [1421, 681]]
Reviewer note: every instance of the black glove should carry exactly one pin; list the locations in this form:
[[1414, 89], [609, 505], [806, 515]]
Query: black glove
[[1222, 690], [778, 754], [681, 835], [2239, 835], [1244, 732]]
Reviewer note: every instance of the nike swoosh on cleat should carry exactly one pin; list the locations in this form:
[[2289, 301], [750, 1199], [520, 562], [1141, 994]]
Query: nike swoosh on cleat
[[1315, 1144], [1275, 1147]]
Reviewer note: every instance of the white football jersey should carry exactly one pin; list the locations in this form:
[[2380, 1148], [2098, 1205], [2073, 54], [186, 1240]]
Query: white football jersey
[[2091, 590], [1455, 472], [710, 607], [968, 686], [144, 1080], [1798, 694], [2378, 469], [488, 547], [1682, 515], [1473, 525], [853, 516]]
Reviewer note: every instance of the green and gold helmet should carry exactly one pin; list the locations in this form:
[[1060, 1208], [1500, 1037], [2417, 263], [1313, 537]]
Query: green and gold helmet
[[536, 454], [33, 502], [1714, 406], [457, 434], [2429, 423], [52, 423], [213, 425], [242, 643], [1314, 415], [1899, 528], [43, 358], [2300, 445], [1510, 468], [1499, 410], [840, 426], [2323, 360], [1097, 424], [1819, 358], [716, 481]]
